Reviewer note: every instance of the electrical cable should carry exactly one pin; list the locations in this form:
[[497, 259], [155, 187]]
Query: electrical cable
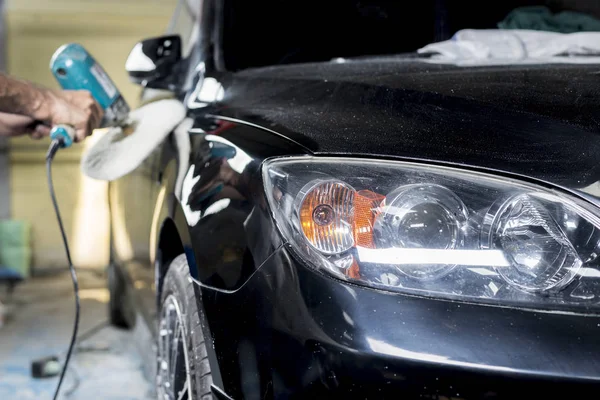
[[54, 146], [92, 331]]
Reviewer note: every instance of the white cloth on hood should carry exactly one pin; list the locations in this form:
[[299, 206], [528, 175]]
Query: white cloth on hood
[[495, 46]]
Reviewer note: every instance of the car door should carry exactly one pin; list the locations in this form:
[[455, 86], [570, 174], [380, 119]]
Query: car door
[[136, 197]]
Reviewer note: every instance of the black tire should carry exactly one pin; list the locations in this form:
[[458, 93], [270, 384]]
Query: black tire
[[120, 312], [179, 284]]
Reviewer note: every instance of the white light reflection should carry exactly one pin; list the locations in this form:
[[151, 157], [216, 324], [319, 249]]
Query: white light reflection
[[493, 287], [217, 206], [211, 91], [351, 291], [486, 258], [347, 318], [238, 162], [381, 347], [138, 61], [483, 271], [571, 224], [589, 272], [189, 181]]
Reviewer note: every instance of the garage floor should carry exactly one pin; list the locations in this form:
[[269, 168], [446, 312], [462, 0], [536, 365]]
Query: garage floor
[[106, 365]]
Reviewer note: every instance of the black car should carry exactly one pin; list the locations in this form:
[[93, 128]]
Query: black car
[[351, 223]]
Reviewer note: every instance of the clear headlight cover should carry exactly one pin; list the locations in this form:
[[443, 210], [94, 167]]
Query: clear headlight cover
[[438, 231]]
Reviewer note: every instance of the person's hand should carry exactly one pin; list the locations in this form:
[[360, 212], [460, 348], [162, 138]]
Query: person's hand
[[15, 125], [76, 108]]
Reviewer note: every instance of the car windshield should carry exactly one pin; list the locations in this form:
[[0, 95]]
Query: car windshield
[[271, 32]]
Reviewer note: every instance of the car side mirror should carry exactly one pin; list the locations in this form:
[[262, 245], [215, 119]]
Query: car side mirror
[[154, 62]]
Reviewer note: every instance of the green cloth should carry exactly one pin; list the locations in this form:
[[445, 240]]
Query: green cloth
[[15, 233], [15, 246], [540, 18], [17, 259]]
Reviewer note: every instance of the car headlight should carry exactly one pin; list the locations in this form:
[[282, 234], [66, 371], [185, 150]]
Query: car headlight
[[439, 231]]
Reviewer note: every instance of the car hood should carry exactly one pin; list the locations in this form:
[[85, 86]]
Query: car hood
[[535, 120]]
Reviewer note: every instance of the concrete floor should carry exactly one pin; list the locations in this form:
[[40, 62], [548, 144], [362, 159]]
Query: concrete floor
[[107, 365]]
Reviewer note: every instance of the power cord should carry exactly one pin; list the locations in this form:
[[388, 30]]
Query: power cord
[[54, 146]]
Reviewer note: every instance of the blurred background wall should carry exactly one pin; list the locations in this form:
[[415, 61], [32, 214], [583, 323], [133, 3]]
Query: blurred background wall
[[34, 29]]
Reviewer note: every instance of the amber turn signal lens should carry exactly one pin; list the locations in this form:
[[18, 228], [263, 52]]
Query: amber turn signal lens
[[353, 271], [366, 207], [327, 215]]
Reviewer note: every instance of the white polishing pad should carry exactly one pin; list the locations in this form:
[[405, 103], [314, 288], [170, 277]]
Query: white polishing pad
[[116, 154]]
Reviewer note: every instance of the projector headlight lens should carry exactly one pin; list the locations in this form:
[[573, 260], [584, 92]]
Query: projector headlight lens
[[540, 254], [422, 216], [438, 231]]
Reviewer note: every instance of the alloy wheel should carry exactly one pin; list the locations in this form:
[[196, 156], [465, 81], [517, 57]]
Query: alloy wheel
[[173, 376]]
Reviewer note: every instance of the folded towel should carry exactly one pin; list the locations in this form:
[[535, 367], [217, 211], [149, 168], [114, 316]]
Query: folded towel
[[494, 46]]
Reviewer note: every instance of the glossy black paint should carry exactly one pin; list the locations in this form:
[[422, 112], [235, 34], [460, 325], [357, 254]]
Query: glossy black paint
[[284, 330], [280, 329], [292, 332], [229, 225], [535, 120]]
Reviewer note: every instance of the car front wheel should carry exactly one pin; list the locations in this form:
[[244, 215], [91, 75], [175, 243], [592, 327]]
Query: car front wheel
[[183, 371]]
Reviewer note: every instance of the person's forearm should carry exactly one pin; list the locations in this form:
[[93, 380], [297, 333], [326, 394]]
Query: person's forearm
[[21, 97], [46, 108]]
